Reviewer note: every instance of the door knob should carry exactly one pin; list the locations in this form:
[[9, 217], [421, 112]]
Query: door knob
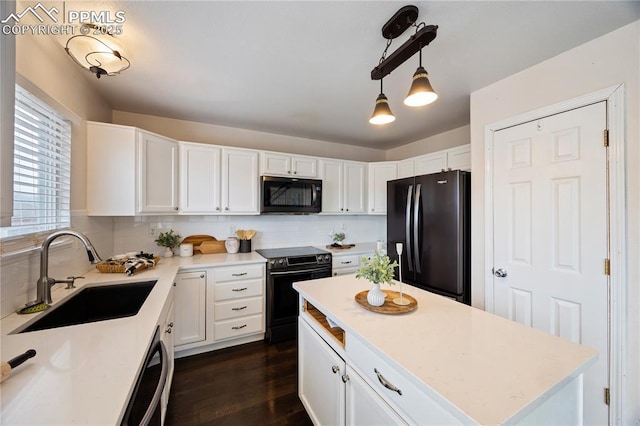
[[500, 273]]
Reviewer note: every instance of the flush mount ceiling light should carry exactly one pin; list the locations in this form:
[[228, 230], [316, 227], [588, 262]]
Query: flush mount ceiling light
[[421, 93], [97, 51]]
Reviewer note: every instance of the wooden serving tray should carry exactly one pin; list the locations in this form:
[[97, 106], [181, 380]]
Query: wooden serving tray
[[342, 247], [388, 307]]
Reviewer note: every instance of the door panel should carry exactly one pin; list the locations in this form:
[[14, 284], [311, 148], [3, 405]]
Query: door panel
[[551, 234]]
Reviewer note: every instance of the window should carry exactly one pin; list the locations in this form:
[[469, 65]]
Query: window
[[42, 168]]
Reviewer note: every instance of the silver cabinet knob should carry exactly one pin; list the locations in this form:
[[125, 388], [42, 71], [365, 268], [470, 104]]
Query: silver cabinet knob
[[335, 369], [500, 273], [345, 378]]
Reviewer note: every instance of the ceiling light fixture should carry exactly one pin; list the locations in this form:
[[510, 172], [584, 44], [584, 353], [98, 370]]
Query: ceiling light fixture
[[382, 112], [421, 93], [97, 50]]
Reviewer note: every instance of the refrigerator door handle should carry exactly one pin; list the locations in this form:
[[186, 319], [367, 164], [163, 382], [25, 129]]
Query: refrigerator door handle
[[408, 226], [416, 228]]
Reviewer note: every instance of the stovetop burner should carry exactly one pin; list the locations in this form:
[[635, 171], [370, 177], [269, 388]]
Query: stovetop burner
[[291, 252]]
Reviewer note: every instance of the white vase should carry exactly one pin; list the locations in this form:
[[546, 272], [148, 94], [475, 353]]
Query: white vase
[[168, 252], [375, 296]]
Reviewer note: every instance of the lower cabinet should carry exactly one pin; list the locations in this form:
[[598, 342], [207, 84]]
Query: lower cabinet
[[216, 305], [332, 392], [167, 337]]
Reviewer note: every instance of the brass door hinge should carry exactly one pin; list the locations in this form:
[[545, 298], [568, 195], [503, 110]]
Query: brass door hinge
[[607, 396], [606, 137], [607, 267]]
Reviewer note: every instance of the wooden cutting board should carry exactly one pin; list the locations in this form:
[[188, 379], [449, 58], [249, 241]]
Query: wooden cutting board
[[197, 240], [208, 247]]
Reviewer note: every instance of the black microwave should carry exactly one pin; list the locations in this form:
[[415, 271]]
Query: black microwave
[[287, 195]]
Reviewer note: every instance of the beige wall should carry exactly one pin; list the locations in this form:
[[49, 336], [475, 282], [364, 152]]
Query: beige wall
[[193, 131], [450, 139], [604, 62]]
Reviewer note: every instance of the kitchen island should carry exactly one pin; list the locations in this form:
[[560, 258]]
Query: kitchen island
[[444, 363]]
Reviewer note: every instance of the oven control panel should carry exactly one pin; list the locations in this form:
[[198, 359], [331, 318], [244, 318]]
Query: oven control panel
[[292, 262]]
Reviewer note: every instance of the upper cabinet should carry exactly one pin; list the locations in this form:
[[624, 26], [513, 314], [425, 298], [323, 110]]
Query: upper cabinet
[[130, 171], [458, 158], [343, 186], [278, 164], [379, 175], [200, 178], [240, 181]]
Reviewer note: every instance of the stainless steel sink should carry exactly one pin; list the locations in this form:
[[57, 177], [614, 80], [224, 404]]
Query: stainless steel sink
[[92, 304]]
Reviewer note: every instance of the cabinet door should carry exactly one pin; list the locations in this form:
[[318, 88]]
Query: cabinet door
[[240, 181], [459, 158], [332, 186], [406, 168], [190, 308], [304, 166], [431, 163], [158, 168], [199, 178], [364, 406], [320, 371], [273, 163], [355, 175], [379, 175]]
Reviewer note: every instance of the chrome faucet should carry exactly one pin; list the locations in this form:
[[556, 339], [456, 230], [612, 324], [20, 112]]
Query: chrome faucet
[[44, 282]]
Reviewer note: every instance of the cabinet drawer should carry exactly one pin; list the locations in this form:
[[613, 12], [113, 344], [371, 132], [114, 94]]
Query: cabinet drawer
[[238, 327], [345, 261], [237, 308], [413, 402], [238, 289], [240, 272]]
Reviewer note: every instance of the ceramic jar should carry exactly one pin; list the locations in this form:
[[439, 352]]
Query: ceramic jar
[[232, 245], [375, 296], [168, 252]]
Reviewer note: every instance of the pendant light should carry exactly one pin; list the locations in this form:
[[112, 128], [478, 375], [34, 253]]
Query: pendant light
[[382, 113], [421, 93]]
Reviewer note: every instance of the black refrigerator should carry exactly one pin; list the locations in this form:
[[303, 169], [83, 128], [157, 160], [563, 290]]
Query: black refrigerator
[[430, 216]]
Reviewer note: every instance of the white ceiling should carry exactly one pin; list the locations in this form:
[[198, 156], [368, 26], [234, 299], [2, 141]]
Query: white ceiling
[[302, 68]]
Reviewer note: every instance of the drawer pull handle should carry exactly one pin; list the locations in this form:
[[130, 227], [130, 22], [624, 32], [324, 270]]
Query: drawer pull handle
[[239, 275], [239, 309], [239, 327], [239, 289], [385, 383], [335, 369], [346, 263]]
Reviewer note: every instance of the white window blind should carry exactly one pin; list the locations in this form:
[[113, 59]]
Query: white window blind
[[42, 168]]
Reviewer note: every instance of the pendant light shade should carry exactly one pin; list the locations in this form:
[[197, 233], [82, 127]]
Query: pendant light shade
[[382, 113], [421, 93]]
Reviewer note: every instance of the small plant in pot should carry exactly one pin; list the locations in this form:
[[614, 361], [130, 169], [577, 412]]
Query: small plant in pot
[[378, 270], [169, 240], [338, 238]]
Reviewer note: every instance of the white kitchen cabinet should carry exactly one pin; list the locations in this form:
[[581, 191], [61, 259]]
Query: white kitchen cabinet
[[348, 264], [190, 308], [320, 385], [379, 174], [240, 181], [130, 171], [430, 163], [459, 158], [238, 301], [343, 186], [280, 164], [200, 186], [364, 406]]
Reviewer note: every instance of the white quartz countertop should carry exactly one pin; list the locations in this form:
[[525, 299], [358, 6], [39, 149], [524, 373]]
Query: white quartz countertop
[[84, 374], [491, 369]]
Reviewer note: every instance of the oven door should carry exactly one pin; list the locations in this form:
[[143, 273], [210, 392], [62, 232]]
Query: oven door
[[282, 300]]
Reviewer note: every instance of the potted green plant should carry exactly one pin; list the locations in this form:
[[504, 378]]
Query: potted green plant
[[169, 240], [338, 238], [379, 269]]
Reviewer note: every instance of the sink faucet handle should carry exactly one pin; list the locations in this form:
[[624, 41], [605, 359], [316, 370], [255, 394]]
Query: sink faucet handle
[[72, 279]]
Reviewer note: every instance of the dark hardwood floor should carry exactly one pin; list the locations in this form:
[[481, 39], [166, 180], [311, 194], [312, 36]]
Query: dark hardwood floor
[[252, 384]]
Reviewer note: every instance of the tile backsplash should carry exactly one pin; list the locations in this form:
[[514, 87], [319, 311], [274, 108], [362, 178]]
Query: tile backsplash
[[19, 272]]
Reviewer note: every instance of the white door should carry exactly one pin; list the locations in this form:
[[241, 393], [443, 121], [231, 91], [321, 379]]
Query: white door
[[158, 165], [240, 181], [364, 407], [355, 175], [551, 232], [190, 308], [199, 178]]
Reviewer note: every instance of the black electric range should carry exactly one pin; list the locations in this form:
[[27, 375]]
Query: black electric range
[[284, 267]]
